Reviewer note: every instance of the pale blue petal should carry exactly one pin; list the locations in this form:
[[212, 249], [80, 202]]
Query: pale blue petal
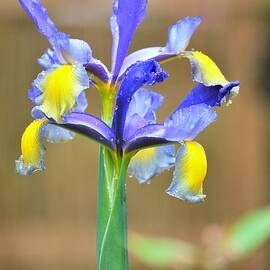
[[150, 162]]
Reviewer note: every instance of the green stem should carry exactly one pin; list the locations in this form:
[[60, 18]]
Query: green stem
[[112, 253]]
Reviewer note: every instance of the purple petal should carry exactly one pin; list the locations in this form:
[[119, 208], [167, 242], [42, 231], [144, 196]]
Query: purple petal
[[210, 95], [98, 69], [90, 126], [40, 17], [188, 122], [150, 135], [138, 75], [179, 36], [127, 16], [142, 110]]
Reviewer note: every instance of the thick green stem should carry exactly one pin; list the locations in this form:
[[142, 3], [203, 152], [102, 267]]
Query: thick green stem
[[112, 253]]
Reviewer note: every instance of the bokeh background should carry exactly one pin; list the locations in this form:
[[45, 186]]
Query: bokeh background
[[47, 221]]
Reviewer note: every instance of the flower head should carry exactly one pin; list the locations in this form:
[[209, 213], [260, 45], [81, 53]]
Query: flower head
[[128, 127]]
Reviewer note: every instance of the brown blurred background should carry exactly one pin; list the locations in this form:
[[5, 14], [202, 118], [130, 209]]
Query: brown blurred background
[[47, 221]]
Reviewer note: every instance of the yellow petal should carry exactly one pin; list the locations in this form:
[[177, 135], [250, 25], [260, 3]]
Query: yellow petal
[[60, 89], [189, 174], [32, 149], [204, 69]]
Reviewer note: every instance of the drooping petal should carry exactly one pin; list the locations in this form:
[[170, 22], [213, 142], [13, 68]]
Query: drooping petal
[[138, 75], [189, 174], [142, 110], [150, 162], [179, 36], [127, 15], [98, 69], [40, 17], [211, 95], [32, 149], [90, 126], [188, 122], [204, 69], [60, 89]]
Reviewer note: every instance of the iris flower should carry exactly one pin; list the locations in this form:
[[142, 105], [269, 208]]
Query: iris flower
[[131, 137]]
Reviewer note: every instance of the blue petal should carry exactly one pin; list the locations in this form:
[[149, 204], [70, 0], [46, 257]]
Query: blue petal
[[142, 110], [150, 162], [145, 103], [81, 103], [151, 135], [48, 59], [90, 126], [180, 34], [188, 122], [55, 134], [138, 75], [210, 95], [127, 16], [40, 17]]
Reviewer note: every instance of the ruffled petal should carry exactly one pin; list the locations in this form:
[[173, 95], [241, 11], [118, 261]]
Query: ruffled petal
[[48, 59], [150, 162], [60, 89], [32, 149], [188, 122], [211, 95], [138, 75], [189, 174], [179, 36], [127, 15]]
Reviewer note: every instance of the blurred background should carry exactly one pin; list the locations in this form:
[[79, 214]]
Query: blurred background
[[47, 221]]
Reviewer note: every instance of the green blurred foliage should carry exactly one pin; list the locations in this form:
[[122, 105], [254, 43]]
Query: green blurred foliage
[[248, 233], [241, 239]]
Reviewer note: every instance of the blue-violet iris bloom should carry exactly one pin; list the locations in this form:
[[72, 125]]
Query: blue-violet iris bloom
[[128, 127]]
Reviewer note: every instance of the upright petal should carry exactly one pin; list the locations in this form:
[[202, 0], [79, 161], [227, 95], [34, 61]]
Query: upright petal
[[150, 162], [127, 16], [39, 15], [179, 36], [66, 49], [60, 89], [189, 174], [32, 149], [138, 75], [211, 95], [142, 110], [188, 122]]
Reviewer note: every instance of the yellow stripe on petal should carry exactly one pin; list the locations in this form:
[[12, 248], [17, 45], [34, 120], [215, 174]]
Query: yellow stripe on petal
[[189, 174], [60, 89], [204, 69], [32, 149]]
